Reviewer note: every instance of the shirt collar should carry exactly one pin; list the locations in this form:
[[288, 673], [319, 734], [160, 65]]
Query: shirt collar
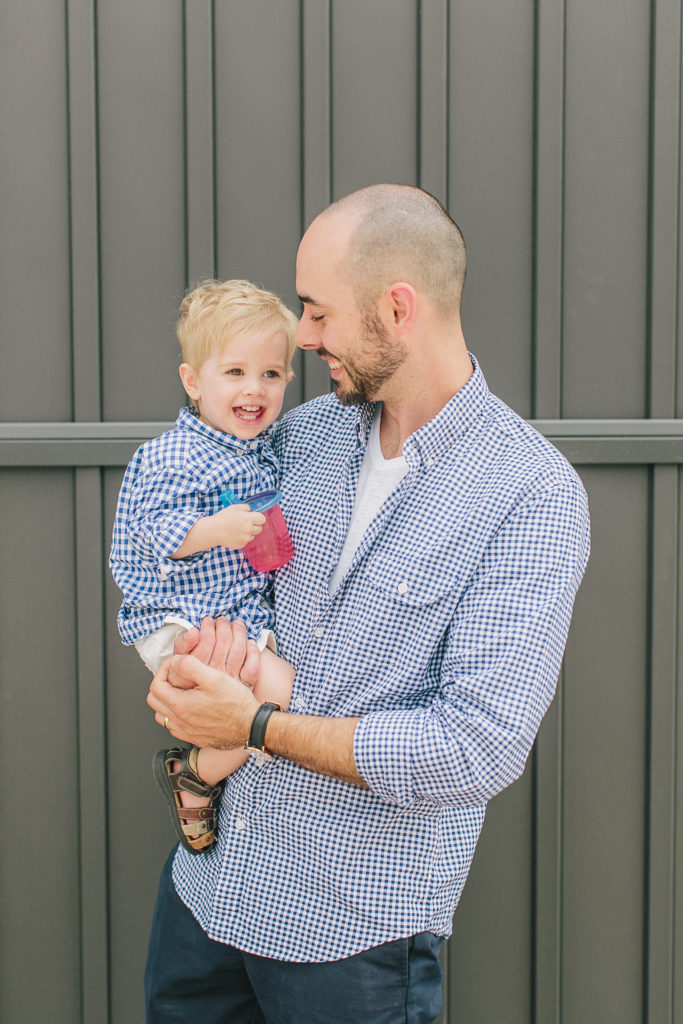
[[443, 430], [189, 420]]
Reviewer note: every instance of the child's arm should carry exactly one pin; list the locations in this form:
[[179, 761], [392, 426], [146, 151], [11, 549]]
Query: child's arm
[[275, 680], [231, 527]]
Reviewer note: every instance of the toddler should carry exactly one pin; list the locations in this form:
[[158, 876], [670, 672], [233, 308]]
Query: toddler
[[176, 552]]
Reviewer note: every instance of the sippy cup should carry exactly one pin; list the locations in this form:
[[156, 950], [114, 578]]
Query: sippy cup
[[273, 546]]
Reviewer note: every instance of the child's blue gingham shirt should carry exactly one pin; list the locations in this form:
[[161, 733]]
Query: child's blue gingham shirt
[[445, 635], [170, 482]]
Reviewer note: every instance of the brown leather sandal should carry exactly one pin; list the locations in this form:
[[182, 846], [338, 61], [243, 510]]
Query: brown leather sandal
[[196, 827]]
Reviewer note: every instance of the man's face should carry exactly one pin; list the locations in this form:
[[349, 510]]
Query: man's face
[[359, 350]]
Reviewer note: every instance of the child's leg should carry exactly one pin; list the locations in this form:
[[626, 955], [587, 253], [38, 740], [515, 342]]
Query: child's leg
[[212, 766], [274, 684]]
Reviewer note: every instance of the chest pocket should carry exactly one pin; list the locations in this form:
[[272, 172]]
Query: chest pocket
[[410, 597], [414, 580]]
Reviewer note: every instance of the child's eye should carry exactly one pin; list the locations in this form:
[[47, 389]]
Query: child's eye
[[234, 371], [272, 373]]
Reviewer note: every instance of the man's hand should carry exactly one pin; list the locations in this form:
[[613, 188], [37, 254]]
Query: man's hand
[[207, 704], [222, 645]]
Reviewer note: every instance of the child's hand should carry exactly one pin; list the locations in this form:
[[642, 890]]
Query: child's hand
[[236, 525]]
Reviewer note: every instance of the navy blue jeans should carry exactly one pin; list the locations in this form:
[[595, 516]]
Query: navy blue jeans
[[190, 978]]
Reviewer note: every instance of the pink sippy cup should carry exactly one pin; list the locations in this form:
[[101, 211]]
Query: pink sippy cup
[[273, 545]]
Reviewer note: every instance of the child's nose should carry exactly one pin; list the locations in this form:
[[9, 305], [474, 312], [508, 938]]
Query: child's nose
[[253, 385]]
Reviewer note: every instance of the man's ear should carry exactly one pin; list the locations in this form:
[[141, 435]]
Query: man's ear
[[400, 304], [189, 381]]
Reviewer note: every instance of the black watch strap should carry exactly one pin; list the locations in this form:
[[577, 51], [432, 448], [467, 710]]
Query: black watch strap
[[257, 734]]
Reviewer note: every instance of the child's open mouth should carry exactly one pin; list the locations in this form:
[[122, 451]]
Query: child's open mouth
[[248, 413]]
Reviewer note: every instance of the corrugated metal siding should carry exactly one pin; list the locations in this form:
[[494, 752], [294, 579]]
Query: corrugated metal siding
[[148, 143]]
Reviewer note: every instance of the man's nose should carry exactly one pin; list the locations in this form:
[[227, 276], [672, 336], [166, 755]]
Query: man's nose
[[306, 335]]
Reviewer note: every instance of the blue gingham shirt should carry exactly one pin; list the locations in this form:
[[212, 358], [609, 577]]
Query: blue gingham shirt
[[445, 635], [170, 483]]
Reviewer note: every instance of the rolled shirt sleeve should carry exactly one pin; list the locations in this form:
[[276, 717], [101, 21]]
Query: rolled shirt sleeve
[[158, 528], [499, 665]]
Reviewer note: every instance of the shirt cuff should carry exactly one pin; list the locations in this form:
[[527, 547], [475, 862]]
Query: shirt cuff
[[166, 536], [382, 745]]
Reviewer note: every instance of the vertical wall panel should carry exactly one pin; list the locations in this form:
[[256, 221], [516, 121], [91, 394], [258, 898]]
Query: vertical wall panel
[[664, 186], [84, 252], [677, 852], [312, 375], [662, 748], [140, 832], [606, 209], [495, 986], [200, 140], [491, 186], [605, 763], [549, 209], [374, 93], [89, 541], [257, 138], [258, 148], [40, 969], [142, 229], [34, 256]]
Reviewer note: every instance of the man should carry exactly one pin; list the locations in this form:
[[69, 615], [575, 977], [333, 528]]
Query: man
[[439, 543]]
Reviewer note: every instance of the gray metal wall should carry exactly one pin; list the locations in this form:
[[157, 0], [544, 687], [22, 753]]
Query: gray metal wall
[[146, 143]]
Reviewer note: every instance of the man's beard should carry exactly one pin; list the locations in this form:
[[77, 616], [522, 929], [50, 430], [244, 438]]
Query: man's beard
[[382, 358]]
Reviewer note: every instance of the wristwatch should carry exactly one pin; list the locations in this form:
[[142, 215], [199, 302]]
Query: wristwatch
[[256, 744]]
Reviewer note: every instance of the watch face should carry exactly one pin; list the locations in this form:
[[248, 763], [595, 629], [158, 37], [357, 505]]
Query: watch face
[[260, 752]]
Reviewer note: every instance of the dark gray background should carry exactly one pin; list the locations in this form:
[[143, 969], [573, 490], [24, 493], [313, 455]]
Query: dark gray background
[[147, 143]]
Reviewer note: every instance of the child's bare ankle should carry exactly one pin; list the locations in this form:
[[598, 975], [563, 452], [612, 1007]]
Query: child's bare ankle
[[207, 772]]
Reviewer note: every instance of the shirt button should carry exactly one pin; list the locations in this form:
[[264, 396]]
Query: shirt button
[[299, 702], [429, 463], [253, 444], [402, 588], [239, 824], [318, 632]]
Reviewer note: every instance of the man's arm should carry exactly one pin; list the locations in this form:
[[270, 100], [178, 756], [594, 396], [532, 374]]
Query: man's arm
[[207, 704]]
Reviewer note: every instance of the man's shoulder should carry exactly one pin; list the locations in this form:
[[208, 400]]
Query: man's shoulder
[[529, 455], [306, 427]]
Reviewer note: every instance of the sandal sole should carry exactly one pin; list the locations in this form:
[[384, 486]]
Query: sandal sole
[[163, 782]]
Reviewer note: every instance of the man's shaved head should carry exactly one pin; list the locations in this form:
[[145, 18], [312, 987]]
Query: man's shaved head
[[401, 233]]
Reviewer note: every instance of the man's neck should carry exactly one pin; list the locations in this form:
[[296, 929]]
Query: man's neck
[[402, 416]]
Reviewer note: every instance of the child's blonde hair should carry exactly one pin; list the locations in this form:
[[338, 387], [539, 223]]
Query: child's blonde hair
[[215, 311]]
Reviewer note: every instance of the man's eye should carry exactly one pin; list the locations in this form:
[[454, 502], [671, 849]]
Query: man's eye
[[318, 318]]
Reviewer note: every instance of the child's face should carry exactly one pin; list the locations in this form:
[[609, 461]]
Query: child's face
[[239, 389]]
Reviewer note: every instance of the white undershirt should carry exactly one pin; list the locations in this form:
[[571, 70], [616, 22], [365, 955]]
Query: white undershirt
[[378, 478]]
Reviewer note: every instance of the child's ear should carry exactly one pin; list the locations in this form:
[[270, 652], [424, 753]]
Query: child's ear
[[189, 381], [289, 375]]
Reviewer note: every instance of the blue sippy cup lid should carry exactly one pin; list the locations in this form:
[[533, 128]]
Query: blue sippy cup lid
[[260, 502]]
